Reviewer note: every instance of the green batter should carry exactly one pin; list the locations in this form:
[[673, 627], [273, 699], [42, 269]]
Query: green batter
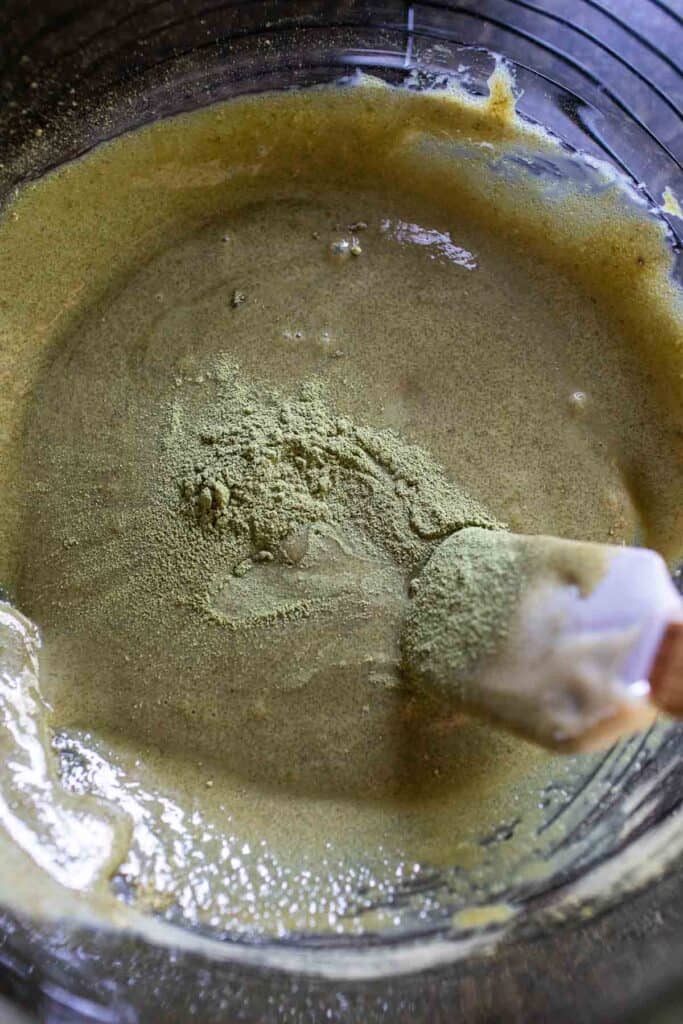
[[244, 402]]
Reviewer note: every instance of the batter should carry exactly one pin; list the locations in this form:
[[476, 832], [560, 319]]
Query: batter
[[223, 687]]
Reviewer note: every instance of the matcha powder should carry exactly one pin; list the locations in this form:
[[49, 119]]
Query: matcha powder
[[262, 472], [464, 602]]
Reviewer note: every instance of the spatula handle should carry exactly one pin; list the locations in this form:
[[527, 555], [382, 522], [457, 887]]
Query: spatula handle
[[666, 675]]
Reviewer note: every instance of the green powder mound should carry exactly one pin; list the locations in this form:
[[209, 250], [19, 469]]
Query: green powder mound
[[463, 605], [263, 467]]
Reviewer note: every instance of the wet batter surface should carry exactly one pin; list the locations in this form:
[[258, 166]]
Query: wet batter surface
[[242, 701]]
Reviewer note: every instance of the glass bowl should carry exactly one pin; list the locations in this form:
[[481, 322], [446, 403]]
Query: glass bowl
[[598, 881]]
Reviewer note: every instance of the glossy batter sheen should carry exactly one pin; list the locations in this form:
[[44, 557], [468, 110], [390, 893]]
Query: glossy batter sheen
[[266, 773]]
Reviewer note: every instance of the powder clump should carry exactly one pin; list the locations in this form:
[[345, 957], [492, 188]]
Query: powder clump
[[463, 604], [264, 467]]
